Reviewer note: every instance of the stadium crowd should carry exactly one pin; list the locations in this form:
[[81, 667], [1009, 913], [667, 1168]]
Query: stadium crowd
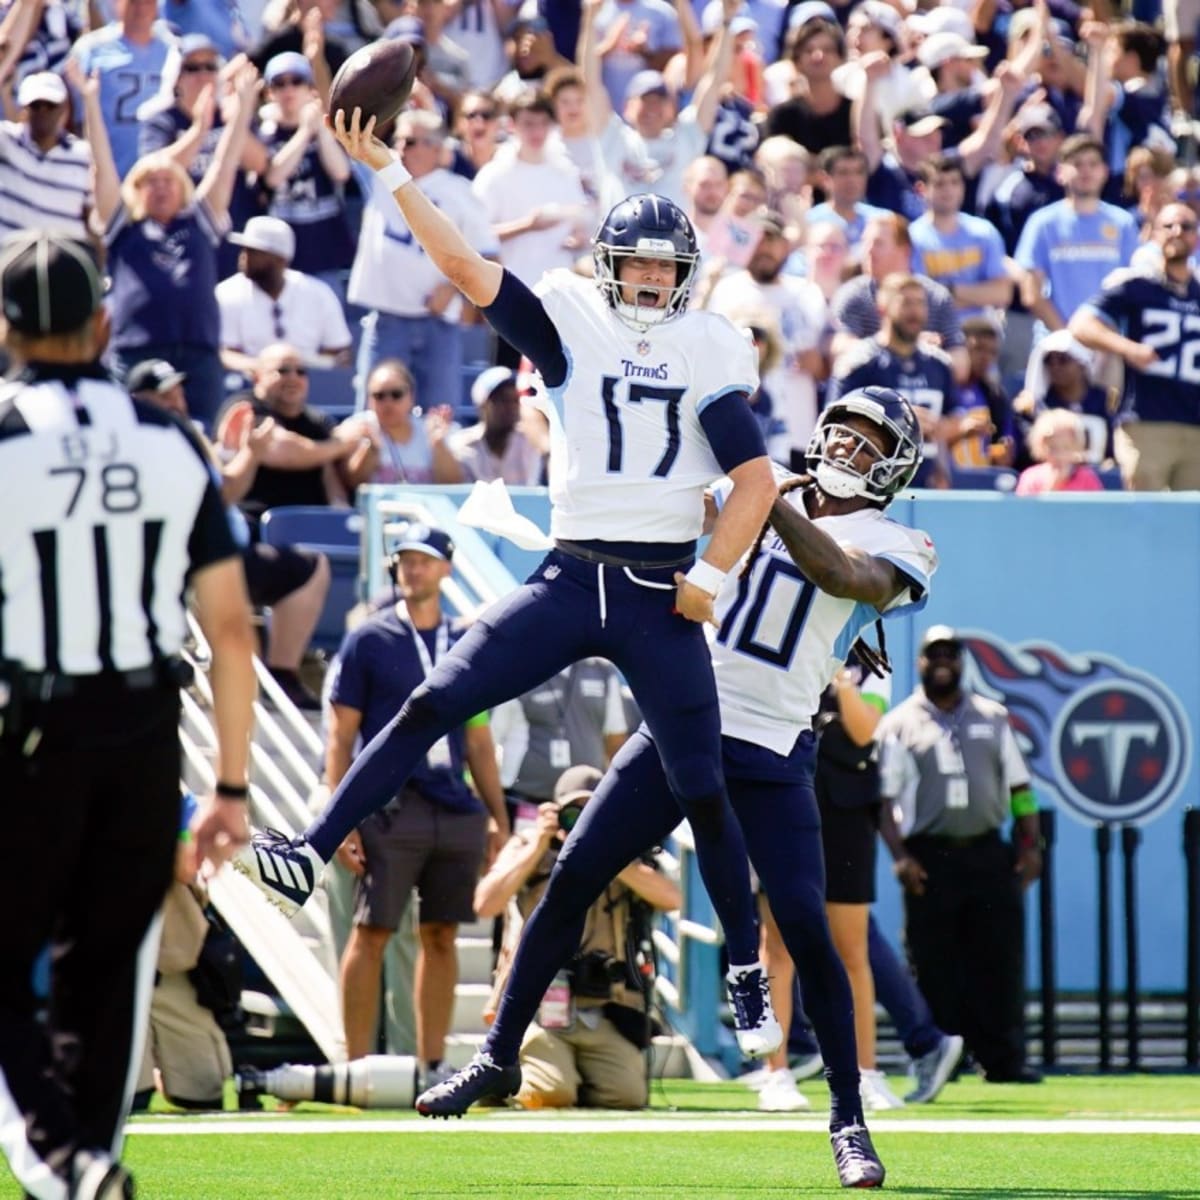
[[998, 160]]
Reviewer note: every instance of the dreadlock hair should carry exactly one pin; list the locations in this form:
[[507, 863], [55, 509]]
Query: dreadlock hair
[[875, 659]]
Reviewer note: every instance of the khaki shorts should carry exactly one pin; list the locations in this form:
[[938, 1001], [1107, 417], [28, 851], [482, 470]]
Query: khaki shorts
[[413, 843], [186, 1044], [1180, 18], [596, 1068], [1156, 456]]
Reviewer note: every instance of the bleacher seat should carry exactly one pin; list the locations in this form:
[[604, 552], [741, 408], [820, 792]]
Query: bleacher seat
[[991, 479], [331, 387], [336, 533]]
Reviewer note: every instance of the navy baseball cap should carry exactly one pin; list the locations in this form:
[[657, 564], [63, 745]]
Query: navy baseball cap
[[425, 539], [48, 283]]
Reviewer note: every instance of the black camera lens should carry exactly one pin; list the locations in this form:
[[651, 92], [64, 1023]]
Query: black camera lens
[[568, 816]]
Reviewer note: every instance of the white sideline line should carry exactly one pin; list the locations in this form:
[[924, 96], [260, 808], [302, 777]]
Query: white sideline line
[[238, 1123]]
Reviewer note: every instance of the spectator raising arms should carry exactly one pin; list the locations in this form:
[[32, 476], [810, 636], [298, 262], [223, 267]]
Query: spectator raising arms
[[162, 235]]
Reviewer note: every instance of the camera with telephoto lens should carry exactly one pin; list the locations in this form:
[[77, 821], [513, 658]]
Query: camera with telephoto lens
[[594, 973], [569, 814]]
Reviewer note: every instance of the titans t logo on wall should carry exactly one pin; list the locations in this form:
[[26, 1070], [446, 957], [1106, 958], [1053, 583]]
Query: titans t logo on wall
[[1108, 742]]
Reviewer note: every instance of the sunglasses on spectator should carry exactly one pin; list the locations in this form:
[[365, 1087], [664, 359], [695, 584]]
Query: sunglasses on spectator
[[283, 81], [405, 142], [480, 114], [1182, 226], [390, 394], [208, 68], [289, 369], [1056, 356], [41, 106]]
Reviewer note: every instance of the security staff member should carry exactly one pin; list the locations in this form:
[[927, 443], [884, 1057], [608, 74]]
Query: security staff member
[[951, 774], [592, 1027], [110, 512], [575, 718]]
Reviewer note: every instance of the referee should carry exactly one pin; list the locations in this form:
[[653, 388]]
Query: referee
[[110, 513]]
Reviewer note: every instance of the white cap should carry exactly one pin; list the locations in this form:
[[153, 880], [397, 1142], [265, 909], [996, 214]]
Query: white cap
[[42, 85], [940, 48], [268, 234], [942, 20], [486, 382], [713, 17]]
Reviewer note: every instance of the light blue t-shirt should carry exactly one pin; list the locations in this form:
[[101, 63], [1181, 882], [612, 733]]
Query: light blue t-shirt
[[863, 212], [972, 253], [129, 76], [220, 21], [1075, 251]]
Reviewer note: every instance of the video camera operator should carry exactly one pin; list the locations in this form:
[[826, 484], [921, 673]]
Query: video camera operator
[[586, 1046]]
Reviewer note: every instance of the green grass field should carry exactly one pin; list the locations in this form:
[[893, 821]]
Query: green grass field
[[1015, 1147]]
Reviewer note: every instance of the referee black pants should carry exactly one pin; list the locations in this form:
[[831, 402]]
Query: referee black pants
[[88, 828], [966, 939]]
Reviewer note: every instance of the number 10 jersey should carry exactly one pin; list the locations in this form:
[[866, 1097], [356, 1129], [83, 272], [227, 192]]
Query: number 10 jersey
[[780, 639]]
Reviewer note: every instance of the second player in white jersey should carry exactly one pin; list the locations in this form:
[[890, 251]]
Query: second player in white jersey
[[628, 451], [780, 639]]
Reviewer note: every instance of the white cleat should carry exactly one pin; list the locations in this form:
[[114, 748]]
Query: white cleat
[[286, 872], [780, 1094], [758, 1032], [875, 1093]]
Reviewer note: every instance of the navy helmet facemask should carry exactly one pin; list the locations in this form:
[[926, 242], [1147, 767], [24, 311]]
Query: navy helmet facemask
[[646, 226], [891, 471]]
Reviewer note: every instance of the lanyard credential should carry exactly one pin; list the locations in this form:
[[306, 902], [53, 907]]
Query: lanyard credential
[[439, 753]]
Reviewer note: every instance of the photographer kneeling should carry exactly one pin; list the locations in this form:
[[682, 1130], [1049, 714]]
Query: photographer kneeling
[[586, 1046]]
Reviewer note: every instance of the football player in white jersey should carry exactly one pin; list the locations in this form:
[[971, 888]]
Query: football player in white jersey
[[649, 407], [829, 564]]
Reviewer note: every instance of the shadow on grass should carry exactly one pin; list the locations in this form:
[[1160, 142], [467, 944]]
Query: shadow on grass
[[991, 1192]]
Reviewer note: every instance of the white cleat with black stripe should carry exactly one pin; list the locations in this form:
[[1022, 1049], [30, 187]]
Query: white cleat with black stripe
[[286, 872]]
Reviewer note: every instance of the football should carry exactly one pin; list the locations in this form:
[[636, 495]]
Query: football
[[376, 78]]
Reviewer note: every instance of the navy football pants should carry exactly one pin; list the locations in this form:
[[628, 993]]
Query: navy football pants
[[630, 812], [567, 610]]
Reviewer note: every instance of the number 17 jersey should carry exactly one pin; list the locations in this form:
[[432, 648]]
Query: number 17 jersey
[[629, 459], [780, 639]]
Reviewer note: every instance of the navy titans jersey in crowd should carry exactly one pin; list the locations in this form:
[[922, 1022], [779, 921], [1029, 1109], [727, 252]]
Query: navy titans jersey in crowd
[[923, 378], [1147, 310]]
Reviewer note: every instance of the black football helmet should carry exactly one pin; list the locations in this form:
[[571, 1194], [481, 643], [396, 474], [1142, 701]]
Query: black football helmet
[[648, 226], [892, 471]]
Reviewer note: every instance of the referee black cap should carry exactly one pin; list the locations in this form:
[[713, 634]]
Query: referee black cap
[[48, 283]]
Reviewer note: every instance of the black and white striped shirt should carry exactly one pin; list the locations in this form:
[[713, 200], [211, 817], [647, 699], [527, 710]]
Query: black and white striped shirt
[[109, 505], [47, 190]]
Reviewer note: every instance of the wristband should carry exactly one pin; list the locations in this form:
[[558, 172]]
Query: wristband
[[706, 577], [395, 175], [1023, 803], [232, 791]]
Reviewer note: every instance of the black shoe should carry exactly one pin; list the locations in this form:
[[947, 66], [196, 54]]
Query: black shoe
[[858, 1165], [294, 689], [1020, 1075], [479, 1079]]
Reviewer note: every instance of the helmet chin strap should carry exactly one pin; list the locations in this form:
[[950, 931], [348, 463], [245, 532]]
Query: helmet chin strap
[[640, 316], [833, 481]]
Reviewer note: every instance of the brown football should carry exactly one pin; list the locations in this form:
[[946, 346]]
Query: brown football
[[377, 78]]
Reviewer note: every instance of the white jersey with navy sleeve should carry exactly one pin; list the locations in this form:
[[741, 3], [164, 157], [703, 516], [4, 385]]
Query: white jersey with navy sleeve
[[780, 639], [629, 459]]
